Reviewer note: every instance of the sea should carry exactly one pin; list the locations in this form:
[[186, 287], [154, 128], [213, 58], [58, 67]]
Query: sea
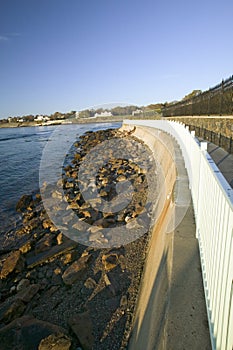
[[21, 151]]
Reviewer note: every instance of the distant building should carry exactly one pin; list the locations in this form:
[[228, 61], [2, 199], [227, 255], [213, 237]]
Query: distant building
[[138, 111], [39, 118], [103, 114], [76, 115]]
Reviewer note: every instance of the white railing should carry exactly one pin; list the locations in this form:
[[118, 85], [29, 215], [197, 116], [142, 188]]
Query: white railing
[[213, 206]]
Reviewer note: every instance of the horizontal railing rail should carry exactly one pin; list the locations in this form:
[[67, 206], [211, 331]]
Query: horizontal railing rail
[[213, 206]]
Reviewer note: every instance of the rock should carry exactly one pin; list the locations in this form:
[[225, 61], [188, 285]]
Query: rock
[[24, 203], [109, 261], [57, 194], [96, 236], [90, 283], [69, 185], [81, 325], [69, 257], [26, 333], [55, 251], [44, 243], [121, 178], [115, 279], [26, 247], [55, 342], [47, 224], [103, 193], [73, 205], [106, 280], [112, 303], [59, 238], [77, 156], [24, 283], [14, 262], [27, 294], [76, 270], [86, 214], [102, 223], [10, 310], [123, 302]]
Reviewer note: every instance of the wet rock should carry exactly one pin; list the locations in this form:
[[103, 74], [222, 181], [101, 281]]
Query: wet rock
[[55, 342], [76, 271], [24, 203], [26, 333], [81, 325], [14, 262]]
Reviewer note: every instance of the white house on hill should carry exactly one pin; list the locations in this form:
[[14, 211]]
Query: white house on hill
[[103, 114]]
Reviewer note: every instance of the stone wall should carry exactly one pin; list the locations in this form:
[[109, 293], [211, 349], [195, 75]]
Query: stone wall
[[216, 130]]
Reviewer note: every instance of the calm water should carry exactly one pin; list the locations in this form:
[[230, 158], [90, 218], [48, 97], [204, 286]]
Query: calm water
[[20, 154]]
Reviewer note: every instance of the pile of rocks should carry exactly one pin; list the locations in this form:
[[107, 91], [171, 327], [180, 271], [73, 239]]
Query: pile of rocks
[[59, 294]]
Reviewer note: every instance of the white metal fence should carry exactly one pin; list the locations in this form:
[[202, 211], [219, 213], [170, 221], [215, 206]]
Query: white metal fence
[[213, 206]]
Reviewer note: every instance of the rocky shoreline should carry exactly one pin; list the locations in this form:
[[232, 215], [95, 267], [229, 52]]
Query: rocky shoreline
[[57, 293]]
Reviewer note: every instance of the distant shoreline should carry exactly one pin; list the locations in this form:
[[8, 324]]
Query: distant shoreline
[[115, 119], [60, 122]]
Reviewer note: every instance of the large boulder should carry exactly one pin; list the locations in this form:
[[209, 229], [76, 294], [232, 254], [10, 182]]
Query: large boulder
[[26, 333]]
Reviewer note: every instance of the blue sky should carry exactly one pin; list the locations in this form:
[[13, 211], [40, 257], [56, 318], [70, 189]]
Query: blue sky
[[62, 55]]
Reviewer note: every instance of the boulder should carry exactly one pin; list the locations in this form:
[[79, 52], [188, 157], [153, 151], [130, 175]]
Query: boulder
[[55, 342], [26, 333], [81, 325], [27, 294], [76, 271], [44, 243], [14, 262], [24, 203]]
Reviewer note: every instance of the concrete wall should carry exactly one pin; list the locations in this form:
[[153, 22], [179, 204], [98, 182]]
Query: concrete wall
[[164, 317]]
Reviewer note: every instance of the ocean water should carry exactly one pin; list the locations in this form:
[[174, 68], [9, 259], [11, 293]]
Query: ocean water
[[21, 150]]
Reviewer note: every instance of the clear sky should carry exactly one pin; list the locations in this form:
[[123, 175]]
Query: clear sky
[[63, 55]]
